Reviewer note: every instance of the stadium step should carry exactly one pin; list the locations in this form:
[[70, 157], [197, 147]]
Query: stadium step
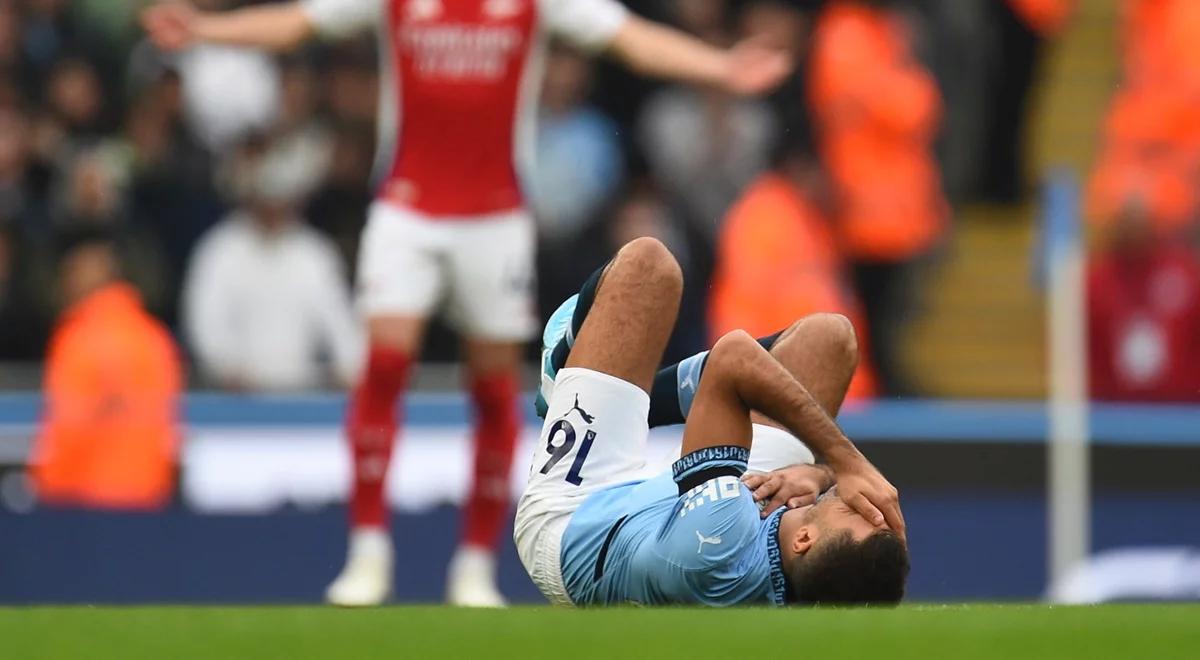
[[981, 332]]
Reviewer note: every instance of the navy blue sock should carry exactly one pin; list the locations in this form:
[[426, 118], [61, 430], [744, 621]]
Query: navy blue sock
[[768, 342], [673, 390], [587, 296]]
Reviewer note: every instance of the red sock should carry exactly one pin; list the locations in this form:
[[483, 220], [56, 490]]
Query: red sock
[[371, 424], [496, 426]]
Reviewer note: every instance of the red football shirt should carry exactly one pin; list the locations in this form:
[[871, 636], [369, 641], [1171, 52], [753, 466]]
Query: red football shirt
[[458, 91], [1144, 326]]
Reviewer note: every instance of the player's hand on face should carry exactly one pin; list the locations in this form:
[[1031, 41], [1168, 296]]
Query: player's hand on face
[[169, 24], [795, 486], [756, 68], [864, 489]]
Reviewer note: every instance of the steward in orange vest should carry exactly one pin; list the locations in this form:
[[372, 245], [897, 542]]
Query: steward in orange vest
[[109, 434]]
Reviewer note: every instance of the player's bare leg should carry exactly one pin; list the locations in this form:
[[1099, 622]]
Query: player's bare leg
[[821, 352], [493, 374], [628, 325], [371, 426], [740, 377]]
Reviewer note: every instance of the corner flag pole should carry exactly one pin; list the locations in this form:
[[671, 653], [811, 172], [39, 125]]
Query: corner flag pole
[[1069, 474]]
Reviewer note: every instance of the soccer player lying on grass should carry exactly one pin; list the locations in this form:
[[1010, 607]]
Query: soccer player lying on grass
[[591, 533]]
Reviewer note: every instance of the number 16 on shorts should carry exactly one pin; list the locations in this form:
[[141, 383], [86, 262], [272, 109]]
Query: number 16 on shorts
[[564, 430]]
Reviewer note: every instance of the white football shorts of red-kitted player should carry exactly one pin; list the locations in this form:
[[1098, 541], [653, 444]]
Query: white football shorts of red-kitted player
[[459, 88]]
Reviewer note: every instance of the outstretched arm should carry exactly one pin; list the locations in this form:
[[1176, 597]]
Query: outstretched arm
[[656, 50], [176, 25], [663, 52]]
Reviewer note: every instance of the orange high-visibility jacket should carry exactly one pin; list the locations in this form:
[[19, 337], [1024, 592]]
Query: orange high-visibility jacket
[[1151, 155], [778, 261], [1147, 162], [876, 111], [1162, 43], [109, 433]]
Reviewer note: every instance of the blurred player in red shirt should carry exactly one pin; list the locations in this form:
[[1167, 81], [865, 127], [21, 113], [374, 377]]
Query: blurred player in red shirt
[[1143, 316], [450, 222]]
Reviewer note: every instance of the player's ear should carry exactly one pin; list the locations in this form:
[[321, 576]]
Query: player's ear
[[803, 539]]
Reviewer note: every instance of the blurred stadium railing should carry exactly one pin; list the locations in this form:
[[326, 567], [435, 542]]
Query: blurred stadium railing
[[258, 519]]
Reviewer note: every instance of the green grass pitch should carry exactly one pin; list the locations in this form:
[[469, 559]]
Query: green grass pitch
[[925, 632]]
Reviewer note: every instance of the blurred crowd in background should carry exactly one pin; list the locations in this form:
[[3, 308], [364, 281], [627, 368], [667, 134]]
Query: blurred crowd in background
[[232, 185]]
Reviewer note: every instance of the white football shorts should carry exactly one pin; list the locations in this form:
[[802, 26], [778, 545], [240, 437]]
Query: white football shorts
[[479, 270], [594, 437]]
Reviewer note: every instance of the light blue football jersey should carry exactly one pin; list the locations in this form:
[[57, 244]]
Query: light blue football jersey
[[692, 535]]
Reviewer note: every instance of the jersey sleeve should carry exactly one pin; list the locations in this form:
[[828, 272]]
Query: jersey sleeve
[[342, 18], [712, 524], [587, 24]]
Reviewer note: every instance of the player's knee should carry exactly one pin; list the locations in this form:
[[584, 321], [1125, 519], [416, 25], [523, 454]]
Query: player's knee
[[650, 261], [733, 350], [838, 336], [395, 333]]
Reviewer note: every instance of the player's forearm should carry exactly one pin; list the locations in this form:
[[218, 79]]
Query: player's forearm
[[767, 387], [277, 27], [805, 418], [658, 51]]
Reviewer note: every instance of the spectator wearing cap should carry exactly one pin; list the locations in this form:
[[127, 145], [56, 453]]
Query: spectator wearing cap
[[265, 302], [109, 434]]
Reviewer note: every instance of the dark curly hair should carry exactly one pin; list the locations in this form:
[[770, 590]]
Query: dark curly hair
[[843, 571]]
